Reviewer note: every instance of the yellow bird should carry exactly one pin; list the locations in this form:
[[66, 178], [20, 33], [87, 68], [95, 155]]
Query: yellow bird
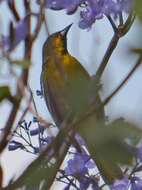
[[68, 88]]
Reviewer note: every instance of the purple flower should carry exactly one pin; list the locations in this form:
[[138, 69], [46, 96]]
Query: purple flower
[[46, 140], [25, 124], [79, 164], [70, 5], [39, 129], [80, 140], [75, 166], [20, 32], [136, 183], [14, 145], [67, 187], [92, 9], [85, 182], [96, 9], [120, 184], [36, 150]]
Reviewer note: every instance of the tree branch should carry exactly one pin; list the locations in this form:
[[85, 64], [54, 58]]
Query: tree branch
[[107, 55], [24, 77], [138, 63], [118, 33]]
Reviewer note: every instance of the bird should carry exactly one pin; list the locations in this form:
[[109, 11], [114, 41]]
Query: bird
[[64, 81], [69, 89]]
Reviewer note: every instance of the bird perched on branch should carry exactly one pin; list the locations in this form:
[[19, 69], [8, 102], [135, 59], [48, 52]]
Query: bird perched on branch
[[65, 83], [68, 88]]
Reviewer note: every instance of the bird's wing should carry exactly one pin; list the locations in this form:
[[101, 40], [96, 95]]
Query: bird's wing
[[50, 100], [80, 67]]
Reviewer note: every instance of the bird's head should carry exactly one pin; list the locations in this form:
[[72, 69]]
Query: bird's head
[[57, 42]]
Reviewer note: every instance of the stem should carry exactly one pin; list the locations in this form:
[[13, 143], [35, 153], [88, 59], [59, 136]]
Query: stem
[[112, 24], [118, 33], [24, 77], [53, 150], [107, 55], [14, 11], [40, 20], [138, 63], [120, 14], [36, 112]]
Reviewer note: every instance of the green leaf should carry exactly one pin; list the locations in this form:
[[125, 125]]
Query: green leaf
[[117, 141], [138, 8], [110, 145], [127, 131], [25, 63], [4, 93], [137, 51]]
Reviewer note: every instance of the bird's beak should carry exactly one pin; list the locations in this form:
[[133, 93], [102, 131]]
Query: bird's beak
[[65, 30]]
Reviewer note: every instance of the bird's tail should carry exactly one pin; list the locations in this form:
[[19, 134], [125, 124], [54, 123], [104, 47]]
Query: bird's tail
[[105, 148]]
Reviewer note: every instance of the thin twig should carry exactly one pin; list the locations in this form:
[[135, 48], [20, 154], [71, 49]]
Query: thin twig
[[39, 21], [36, 112], [115, 29], [107, 55], [54, 149], [46, 25], [138, 63], [24, 77], [14, 11], [118, 33], [120, 15], [130, 20]]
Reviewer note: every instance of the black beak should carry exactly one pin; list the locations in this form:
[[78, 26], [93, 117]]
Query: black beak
[[65, 30]]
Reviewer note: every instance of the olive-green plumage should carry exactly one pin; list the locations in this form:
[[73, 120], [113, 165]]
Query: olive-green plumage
[[65, 83], [67, 87]]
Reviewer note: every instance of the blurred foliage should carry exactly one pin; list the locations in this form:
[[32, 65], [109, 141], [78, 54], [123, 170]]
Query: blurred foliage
[[138, 8], [137, 51], [1, 176], [4, 93], [25, 63], [110, 144]]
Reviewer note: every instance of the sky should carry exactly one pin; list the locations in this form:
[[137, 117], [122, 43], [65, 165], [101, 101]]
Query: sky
[[88, 47]]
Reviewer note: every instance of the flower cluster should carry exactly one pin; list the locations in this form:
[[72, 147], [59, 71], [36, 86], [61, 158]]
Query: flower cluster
[[91, 10], [31, 137], [135, 183], [79, 166]]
